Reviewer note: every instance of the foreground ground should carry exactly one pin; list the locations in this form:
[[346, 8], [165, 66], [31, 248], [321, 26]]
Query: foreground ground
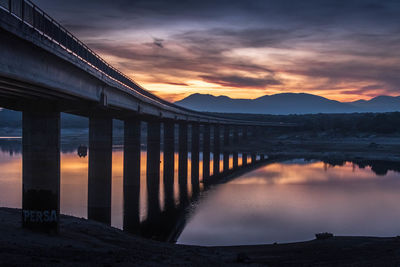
[[87, 243]]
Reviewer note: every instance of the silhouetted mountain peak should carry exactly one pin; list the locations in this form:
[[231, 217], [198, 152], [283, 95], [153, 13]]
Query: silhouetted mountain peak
[[287, 103]]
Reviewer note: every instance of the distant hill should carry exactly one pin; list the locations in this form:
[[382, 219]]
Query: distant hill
[[379, 104], [287, 103]]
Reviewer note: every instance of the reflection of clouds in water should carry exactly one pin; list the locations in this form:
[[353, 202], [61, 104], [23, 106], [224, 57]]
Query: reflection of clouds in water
[[294, 172], [339, 201]]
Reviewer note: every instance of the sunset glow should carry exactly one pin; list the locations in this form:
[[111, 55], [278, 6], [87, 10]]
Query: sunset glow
[[343, 51]]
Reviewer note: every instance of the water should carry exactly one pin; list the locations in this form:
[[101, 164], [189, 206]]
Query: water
[[280, 202], [291, 201]]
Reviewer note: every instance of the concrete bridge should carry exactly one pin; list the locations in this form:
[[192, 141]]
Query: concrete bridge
[[45, 70]]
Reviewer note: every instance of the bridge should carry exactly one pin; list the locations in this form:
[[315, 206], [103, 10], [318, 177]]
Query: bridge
[[45, 70]]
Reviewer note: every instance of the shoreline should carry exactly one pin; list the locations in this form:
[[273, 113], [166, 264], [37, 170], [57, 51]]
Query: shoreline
[[84, 242]]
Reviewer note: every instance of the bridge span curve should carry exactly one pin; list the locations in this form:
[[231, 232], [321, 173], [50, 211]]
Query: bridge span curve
[[45, 70], [42, 57]]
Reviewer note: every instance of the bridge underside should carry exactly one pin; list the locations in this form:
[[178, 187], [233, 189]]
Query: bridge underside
[[42, 78]]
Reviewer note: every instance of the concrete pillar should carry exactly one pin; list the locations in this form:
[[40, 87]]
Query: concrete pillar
[[100, 162], [195, 158], [226, 147], [254, 131], [206, 152], [244, 132], [153, 170], [235, 135], [226, 160], [217, 149], [235, 159], [169, 163], [131, 182], [41, 170], [244, 159], [253, 158], [226, 135], [183, 154]]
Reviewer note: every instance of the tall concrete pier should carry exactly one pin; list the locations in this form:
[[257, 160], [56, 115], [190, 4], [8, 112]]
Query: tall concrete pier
[[153, 169], [206, 152], [131, 182], [183, 161], [195, 158], [226, 149], [216, 149], [169, 163], [41, 170], [100, 161]]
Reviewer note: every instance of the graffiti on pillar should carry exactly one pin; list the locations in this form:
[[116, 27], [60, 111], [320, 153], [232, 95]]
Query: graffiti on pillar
[[40, 210], [39, 216]]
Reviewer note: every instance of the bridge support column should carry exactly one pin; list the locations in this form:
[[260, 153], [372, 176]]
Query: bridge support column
[[235, 142], [235, 135], [235, 159], [41, 170], [169, 164], [244, 159], [183, 157], [226, 148], [254, 131], [131, 182], [195, 159], [100, 162], [216, 150], [253, 158], [153, 170], [244, 132], [206, 152]]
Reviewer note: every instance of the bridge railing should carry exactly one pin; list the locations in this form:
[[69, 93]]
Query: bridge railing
[[31, 15]]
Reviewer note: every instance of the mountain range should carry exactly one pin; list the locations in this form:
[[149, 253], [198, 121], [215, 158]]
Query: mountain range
[[288, 103]]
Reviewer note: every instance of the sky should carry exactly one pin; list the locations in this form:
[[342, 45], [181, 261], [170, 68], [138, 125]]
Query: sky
[[340, 49]]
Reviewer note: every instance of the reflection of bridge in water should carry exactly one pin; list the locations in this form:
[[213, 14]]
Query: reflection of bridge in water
[[45, 70]]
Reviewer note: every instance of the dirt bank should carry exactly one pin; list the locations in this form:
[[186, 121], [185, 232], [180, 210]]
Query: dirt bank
[[87, 243]]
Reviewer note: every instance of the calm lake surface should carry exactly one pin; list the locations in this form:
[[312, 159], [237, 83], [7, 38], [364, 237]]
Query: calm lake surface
[[280, 202]]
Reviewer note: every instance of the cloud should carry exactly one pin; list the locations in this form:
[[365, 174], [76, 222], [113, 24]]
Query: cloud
[[311, 46], [241, 81]]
